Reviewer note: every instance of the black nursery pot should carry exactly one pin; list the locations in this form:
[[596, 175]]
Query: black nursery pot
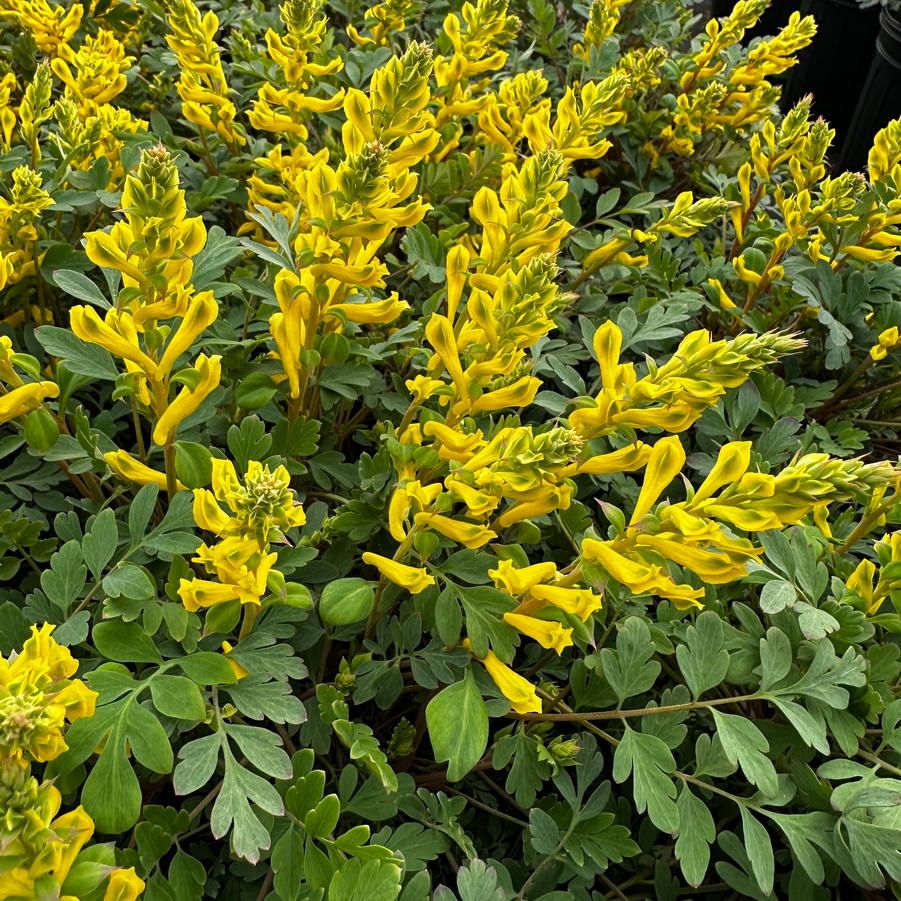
[[834, 67], [880, 99]]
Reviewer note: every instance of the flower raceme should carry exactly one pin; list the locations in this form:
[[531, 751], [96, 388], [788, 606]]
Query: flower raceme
[[38, 845], [38, 696], [672, 396], [201, 85], [467, 488], [153, 249], [261, 509]]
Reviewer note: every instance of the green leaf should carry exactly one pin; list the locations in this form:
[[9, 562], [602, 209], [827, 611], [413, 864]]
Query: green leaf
[[485, 626], [776, 595], [478, 882], [77, 284], [457, 720], [100, 542], [177, 697], [80, 358], [544, 833], [232, 810], [630, 669], [140, 510], [196, 765], [744, 744], [365, 880], [703, 659], [129, 581], [255, 391], [696, 833], [125, 643], [64, 582], [759, 848], [649, 761], [207, 668], [263, 748]]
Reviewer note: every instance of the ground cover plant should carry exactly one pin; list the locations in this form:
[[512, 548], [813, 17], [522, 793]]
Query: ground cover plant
[[449, 450]]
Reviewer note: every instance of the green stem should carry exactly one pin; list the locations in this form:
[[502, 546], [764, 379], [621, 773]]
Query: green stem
[[171, 480]]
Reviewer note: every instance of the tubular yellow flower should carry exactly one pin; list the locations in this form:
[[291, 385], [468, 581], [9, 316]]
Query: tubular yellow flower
[[889, 339], [38, 696], [124, 885], [201, 313], [188, 399], [579, 602], [548, 634], [26, 398], [197, 594], [516, 689], [126, 467], [88, 326], [208, 514], [664, 464], [468, 534], [516, 581], [413, 578]]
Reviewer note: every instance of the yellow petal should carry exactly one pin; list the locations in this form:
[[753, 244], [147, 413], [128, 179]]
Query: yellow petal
[[547, 633], [188, 399], [515, 688], [412, 578], [665, 462]]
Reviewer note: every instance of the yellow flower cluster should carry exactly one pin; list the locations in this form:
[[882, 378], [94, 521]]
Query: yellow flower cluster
[[153, 249], [691, 534], [458, 485], [720, 89], [51, 25], [38, 848], [672, 396], [88, 125], [262, 508], [383, 21], [282, 105], [347, 212], [201, 83], [603, 18], [834, 219], [20, 217]]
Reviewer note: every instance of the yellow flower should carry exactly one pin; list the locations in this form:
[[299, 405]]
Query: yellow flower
[[38, 696], [547, 633], [126, 467], [888, 340], [468, 534], [123, 885], [26, 398], [188, 399], [515, 688], [201, 312], [116, 334], [664, 464], [197, 594], [412, 578], [579, 602], [517, 581]]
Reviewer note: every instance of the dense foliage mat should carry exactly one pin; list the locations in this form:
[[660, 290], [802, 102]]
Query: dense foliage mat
[[449, 451]]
